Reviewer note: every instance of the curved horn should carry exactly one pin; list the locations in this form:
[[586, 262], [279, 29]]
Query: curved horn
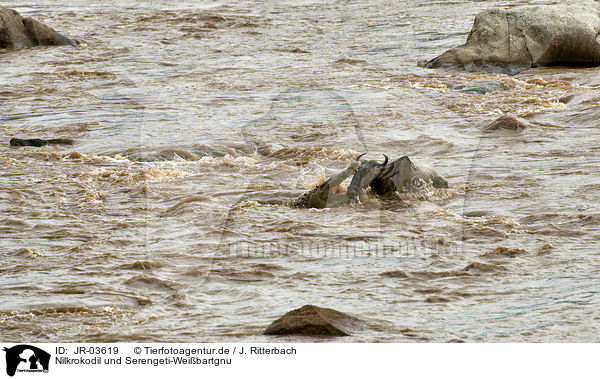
[[357, 158], [384, 162]]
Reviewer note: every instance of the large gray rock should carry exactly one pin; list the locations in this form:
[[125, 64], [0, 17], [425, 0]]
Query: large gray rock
[[513, 40], [18, 32]]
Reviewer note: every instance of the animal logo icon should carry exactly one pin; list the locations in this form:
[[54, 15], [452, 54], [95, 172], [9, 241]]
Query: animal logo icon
[[26, 358]]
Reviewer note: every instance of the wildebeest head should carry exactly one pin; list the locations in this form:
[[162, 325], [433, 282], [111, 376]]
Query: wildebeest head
[[366, 172]]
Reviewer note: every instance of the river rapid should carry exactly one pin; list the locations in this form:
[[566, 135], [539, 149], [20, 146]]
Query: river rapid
[[195, 121]]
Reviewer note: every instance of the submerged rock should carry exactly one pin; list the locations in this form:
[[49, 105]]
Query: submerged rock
[[17, 32], [311, 320], [38, 142], [506, 122], [513, 40]]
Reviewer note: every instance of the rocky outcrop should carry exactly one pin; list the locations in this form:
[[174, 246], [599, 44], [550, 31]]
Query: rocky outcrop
[[311, 320], [17, 32], [516, 39]]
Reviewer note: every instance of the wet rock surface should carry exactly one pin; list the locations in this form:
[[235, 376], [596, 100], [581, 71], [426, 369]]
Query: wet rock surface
[[38, 142], [311, 320], [18, 32], [513, 40], [506, 122]]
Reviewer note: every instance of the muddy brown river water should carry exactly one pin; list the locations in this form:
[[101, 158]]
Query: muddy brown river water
[[195, 121]]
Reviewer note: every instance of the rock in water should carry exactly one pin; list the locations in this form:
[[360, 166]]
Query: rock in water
[[17, 32], [513, 40], [311, 320], [38, 142]]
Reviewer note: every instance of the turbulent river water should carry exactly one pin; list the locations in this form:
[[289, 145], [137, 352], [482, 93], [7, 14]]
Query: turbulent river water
[[195, 121]]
